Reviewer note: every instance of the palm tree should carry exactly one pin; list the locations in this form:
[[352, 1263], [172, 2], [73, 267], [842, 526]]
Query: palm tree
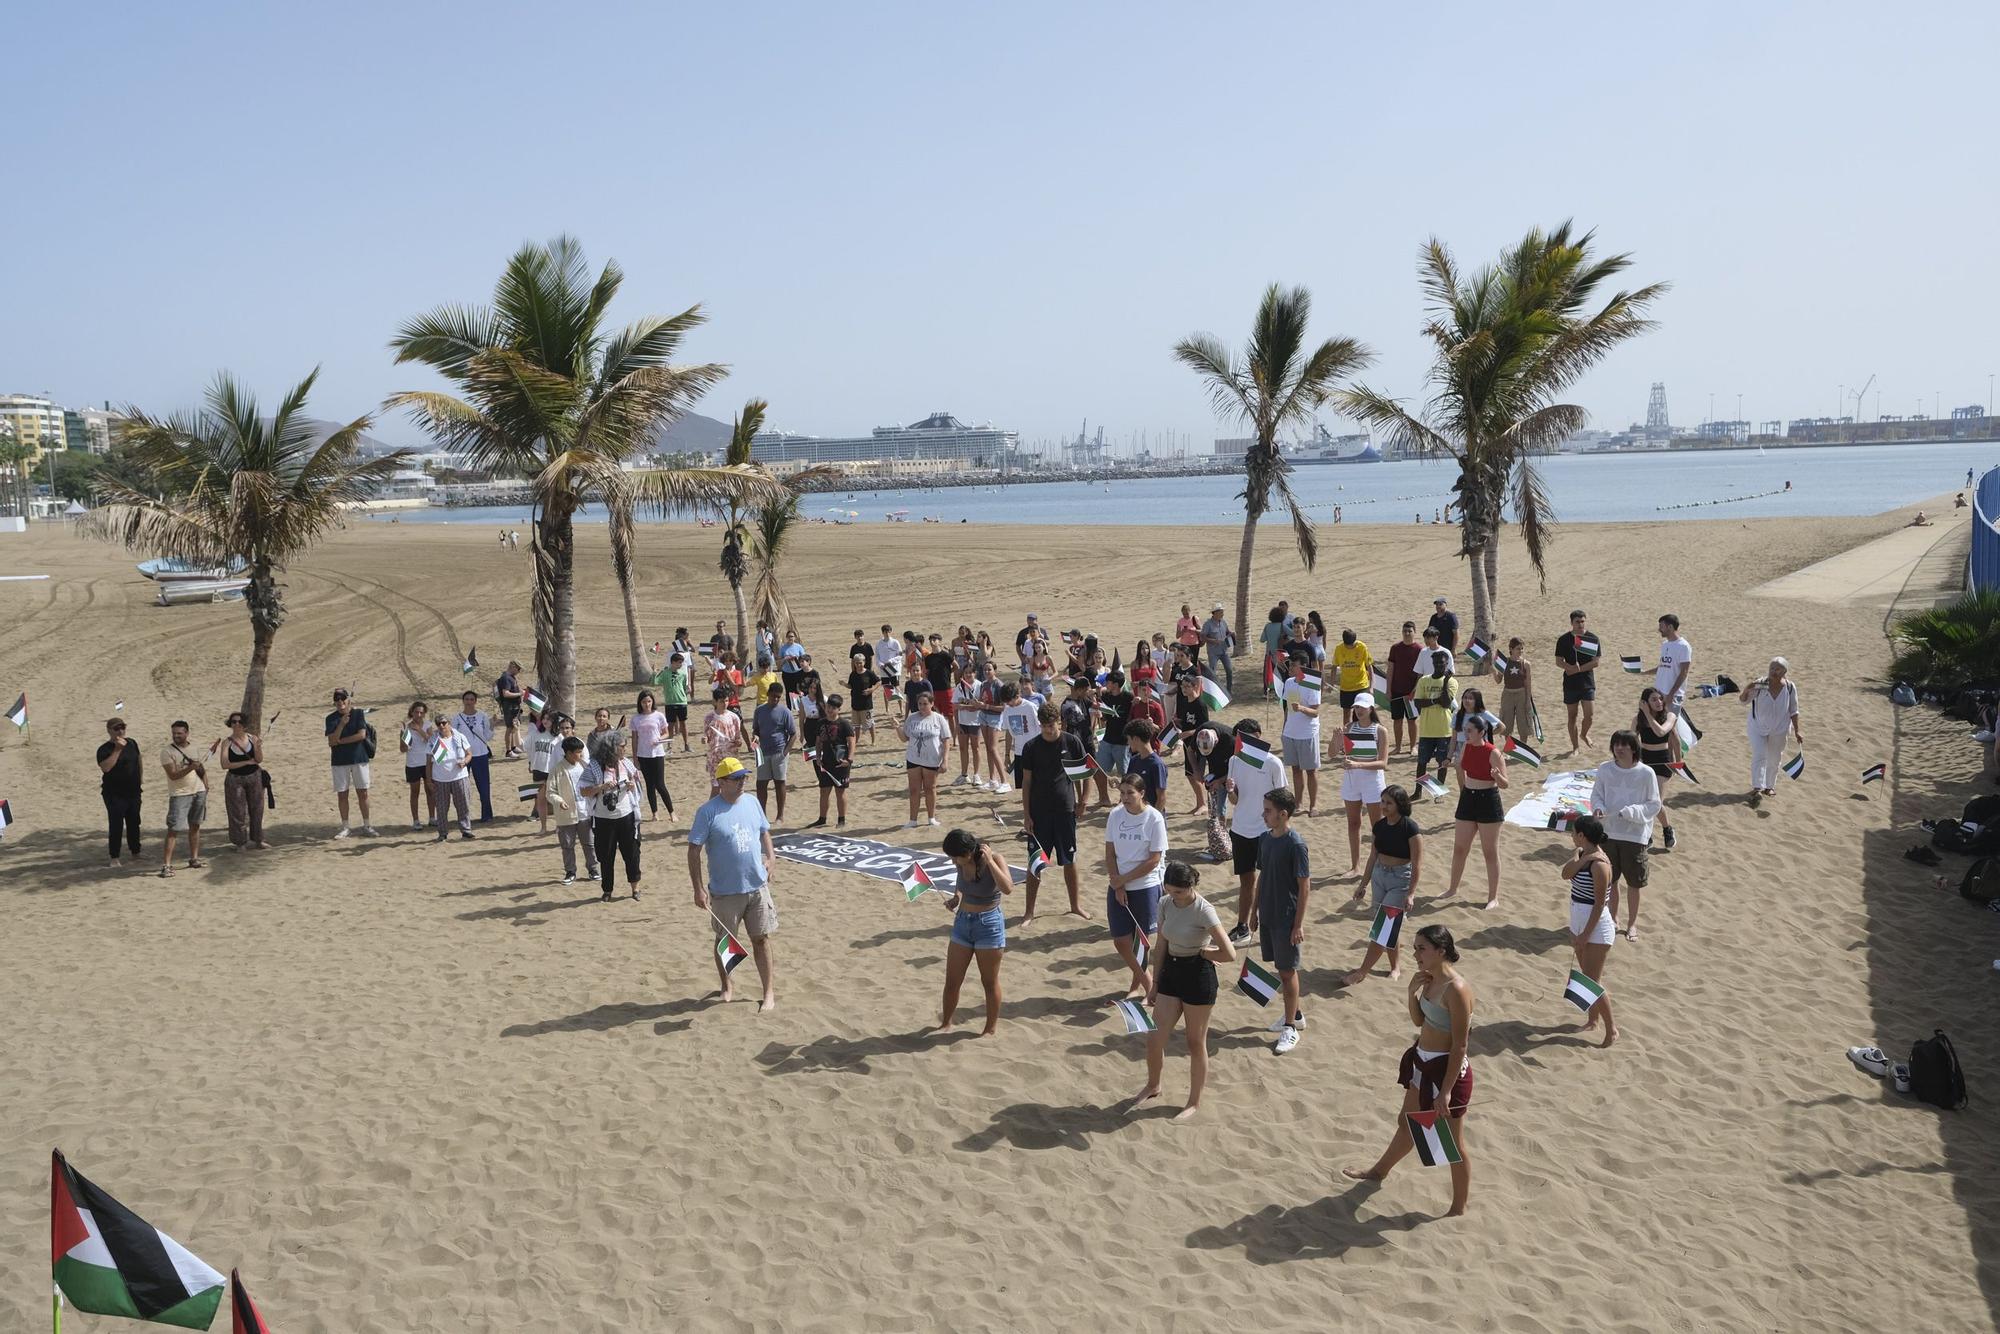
[[1505, 342], [239, 487], [734, 564], [771, 529], [548, 392], [1277, 384]]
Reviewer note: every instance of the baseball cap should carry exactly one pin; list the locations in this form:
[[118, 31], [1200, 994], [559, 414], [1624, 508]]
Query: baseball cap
[[1033, 617], [731, 767], [1439, 601], [1365, 700], [1217, 607]]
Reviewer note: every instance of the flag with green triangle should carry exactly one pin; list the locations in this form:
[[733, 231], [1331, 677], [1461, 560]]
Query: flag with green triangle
[[109, 1261]]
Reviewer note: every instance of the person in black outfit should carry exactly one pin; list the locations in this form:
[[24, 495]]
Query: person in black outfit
[[829, 739], [1579, 671], [1446, 624], [1048, 804], [1190, 716], [938, 670], [118, 760]]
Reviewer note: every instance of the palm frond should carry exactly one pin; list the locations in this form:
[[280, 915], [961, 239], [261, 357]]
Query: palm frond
[[743, 430], [1205, 355]]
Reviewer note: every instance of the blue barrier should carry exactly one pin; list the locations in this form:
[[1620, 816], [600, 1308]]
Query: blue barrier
[[1984, 569]]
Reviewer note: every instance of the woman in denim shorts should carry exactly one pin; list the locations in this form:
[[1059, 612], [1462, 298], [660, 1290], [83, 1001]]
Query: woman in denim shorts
[[978, 924]]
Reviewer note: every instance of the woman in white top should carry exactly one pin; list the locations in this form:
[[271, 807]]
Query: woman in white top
[[968, 714], [572, 810], [415, 742], [612, 784], [925, 735], [649, 750], [1364, 764], [1135, 846], [1774, 708], [1182, 981], [543, 754]]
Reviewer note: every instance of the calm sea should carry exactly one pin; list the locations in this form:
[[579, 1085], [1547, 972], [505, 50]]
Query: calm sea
[[1859, 479]]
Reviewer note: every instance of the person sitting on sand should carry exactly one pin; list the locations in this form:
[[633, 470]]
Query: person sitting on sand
[[1592, 923], [1921, 521], [1436, 1068], [1135, 845], [978, 924], [1182, 981], [1395, 861]]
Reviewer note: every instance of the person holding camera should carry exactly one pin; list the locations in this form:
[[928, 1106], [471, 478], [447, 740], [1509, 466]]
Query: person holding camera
[[187, 798]]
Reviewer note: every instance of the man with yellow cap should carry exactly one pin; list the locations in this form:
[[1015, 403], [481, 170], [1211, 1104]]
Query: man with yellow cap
[[736, 894]]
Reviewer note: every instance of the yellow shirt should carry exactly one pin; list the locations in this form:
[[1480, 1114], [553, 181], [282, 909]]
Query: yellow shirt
[[1353, 662], [762, 685], [190, 782], [1434, 722]]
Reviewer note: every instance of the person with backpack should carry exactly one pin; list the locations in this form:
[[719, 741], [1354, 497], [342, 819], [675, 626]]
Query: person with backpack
[[1774, 708]]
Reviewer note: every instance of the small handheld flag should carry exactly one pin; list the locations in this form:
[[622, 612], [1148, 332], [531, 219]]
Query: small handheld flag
[[471, 663], [243, 1311], [1502, 663], [119, 707], [1587, 649], [1689, 734], [1256, 983], [1169, 737], [1136, 1017], [1874, 773], [1582, 992], [1796, 765], [1431, 1133], [18, 715], [1078, 770], [1478, 650], [728, 953], [706, 650], [1141, 950], [1311, 679], [1252, 750], [6, 816], [916, 883], [1681, 767], [534, 699], [1213, 695], [1523, 752], [109, 1261], [274, 718], [441, 752], [1630, 662], [1038, 861], [1560, 819], [1378, 683], [1430, 787], [527, 791], [1388, 927]]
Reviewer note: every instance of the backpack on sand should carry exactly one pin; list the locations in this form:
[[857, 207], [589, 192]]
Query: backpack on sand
[[1934, 1074], [1966, 840], [1982, 882]]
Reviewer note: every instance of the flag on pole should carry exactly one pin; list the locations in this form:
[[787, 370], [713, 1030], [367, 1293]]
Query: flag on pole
[[1559, 819], [1587, 648], [1311, 679], [1795, 765], [1378, 683], [1536, 714], [1256, 983], [1169, 737], [1630, 662], [1478, 650], [1523, 752], [109, 1261], [1137, 1018], [706, 650], [728, 953], [18, 715], [1874, 773], [1582, 992], [1689, 734], [1364, 745], [243, 1311], [6, 815], [1682, 767], [1213, 695], [916, 883], [471, 663], [1388, 927], [1141, 950], [534, 700], [1431, 1133], [1078, 770], [1430, 787], [1503, 663], [527, 791], [1253, 751], [1038, 861]]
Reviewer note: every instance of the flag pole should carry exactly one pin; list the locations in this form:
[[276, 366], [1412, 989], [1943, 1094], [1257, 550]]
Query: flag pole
[[58, 1306]]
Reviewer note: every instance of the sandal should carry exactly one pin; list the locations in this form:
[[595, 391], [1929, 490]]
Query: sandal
[[1923, 856], [196, 865], [166, 872]]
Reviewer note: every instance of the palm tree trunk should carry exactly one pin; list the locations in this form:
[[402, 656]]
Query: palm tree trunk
[[1490, 565], [744, 657], [554, 605], [267, 612], [1478, 543], [1243, 555], [623, 540]]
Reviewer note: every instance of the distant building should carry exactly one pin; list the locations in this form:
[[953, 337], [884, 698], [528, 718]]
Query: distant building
[[96, 429], [939, 436], [34, 421]]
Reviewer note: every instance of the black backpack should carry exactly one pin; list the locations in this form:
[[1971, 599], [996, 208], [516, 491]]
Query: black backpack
[[1727, 685], [1959, 839], [1981, 811], [1934, 1074], [1982, 882]]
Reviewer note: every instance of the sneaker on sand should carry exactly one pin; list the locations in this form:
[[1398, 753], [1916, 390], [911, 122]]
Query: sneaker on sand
[[341, 832], [1287, 1040], [961, 780], [1870, 1059], [1296, 1021], [1899, 1076], [368, 831]]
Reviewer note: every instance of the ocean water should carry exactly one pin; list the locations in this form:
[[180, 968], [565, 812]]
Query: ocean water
[[1833, 480]]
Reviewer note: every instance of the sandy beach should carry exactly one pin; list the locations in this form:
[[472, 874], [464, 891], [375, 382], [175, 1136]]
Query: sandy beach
[[409, 1087]]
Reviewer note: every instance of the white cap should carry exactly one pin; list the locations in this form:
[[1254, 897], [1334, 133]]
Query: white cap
[[1365, 700]]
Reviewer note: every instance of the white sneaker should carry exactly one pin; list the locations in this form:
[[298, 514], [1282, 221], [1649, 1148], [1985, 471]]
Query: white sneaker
[[1296, 1021], [368, 830], [961, 780], [340, 832], [1286, 1040], [1003, 787], [569, 880], [934, 822], [911, 825]]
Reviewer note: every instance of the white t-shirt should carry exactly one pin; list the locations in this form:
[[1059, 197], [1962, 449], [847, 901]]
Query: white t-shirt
[[420, 738], [541, 750], [927, 737], [965, 702], [477, 729], [647, 729], [1246, 815], [1300, 726], [451, 768], [888, 656], [1673, 652], [1133, 838], [613, 803], [1020, 722]]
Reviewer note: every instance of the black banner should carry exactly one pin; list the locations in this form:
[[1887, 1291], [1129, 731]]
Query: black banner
[[879, 860]]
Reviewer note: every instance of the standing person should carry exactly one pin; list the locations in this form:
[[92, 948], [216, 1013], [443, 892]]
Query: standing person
[[1403, 655], [978, 924], [792, 661], [649, 750], [862, 648], [1284, 884], [776, 729], [1364, 766], [507, 693], [1472, 704], [1355, 666], [925, 738], [415, 742], [1482, 774], [1135, 850], [1301, 732], [121, 785], [721, 642], [1216, 643], [1659, 736], [450, 753], [1112, 710], [187, 798], [1048, 806], [1079, 714], [1187, 630], [1019, 719], [938, 672], [243, 784], [477, 730], [1182, 981], [1271, 636], [675, 689], [1433, 698], [1517, 693], [1592, 924], [990, 707], [1436, 1073], [611, 783], [1026, 638], [544, 752], [965, 717], [1247, 784], [1190, 716], [1143, 762], [1395, 861], [767, 676], [572, 811], [1626, 796], [347, 740], [1774, 706], [1042, 670], [1577, 652], [889, 665], [1216, 745], [1676, 658], [1446, 625], [830, 743], [721, 730], [861, 683], [737, 893]]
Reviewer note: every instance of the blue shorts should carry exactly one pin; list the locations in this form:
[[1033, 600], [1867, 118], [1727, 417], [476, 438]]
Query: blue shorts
[[1140, 911], [1111, 757], [980, 930]]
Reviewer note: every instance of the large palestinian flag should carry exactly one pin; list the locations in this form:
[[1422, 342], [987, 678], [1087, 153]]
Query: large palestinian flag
[[109, 1261]]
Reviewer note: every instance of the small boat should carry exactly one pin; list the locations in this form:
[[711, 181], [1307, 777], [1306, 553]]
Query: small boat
[[181, 592], [167, 570]]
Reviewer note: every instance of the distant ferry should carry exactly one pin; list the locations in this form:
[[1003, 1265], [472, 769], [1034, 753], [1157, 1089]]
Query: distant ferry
[[1326, 448]]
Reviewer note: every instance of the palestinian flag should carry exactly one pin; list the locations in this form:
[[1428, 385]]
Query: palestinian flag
[[1689, 734], [1560, 819], [1038, 861], [728, 953], [1256, 983], [1874, 773], [1430, 787], [1431, 1133], [1587, 648], [527, 791], [1630, 662], [18, 715], [1523, 752], [1388, 928], [1795, 765], [1141, 950], [1080, 769], [1169, 737], [1364, 745], [109, 1261], [1681, 767], [1213, 695], [1478, 650], [441, 753], [706, 650], [916, 884], [1582, 992], [1311, 680], [245, 1319], [1252, 750], [534, 700], [6, 815], [471, 663], [1378, 684], [1536, 715], [1136, 1017], [119, 707], [1502, 663]]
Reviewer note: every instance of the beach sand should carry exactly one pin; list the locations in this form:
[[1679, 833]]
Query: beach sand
[[408, 1087]]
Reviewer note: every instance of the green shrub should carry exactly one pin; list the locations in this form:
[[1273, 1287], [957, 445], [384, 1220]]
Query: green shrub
[[1950, 647]]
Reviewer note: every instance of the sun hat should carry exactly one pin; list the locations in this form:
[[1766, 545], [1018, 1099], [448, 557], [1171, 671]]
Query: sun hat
[[731, 767]]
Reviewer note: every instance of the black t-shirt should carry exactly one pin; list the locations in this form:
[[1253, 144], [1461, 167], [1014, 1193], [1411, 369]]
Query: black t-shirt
[[1039, 770], [1189, 714], [351, 752], [835, 743], [1225, 750], [125, 777], [1392, 837], [863, 650], [859, 684], [1446, 624], [938, 670], [1076, 721], [1177, 673], [1115, 709], [1021, 639], [1566, 652]]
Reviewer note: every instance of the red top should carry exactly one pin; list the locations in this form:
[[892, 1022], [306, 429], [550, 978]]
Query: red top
[[1478, 761]]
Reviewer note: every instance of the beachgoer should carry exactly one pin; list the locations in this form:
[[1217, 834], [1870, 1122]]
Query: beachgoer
[[1577, 651], [1048, 806], [1271, 636], [1446, 624], [1472, 704], [721, 730], [477, 730], [1774, 707], [1395, 861], [612, 783], [543, 747], [1216, 745], [861, 683], [1482, 774], [1026, 637], [1135, 847], [1676, 657], [121, 786], [1284, 884], [1355, 665], [1301, 731], [1402, 684], [347, 741], [1517, 692], [1190, 716], [450, 755], [990, 706], [1112, 709], [776, 729], [938, 671], [1660, 749], [978, 923], [508, 694], [1248, 782], [1182, 981], [572, 811], [829, 741], [737, 891], [243, 784], [675, 689], [925, 736], [1433, 697], [1626, 796], [415, 742], [1187, 630], [187, 797], [1364, 764], [649, 750], [1592, 924], [1217, 642]]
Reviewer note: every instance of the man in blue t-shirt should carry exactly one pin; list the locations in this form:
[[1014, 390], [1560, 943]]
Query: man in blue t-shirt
[[775, 729], [737, 892]]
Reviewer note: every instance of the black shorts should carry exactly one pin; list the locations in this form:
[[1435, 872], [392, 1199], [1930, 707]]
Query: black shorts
[[1189, 979], [1193, 762], [1480, 805], [1055, 833], [1403, 707], [676, 713], [413, 776], [1665, 771], [538, 776], [1347, 698], [1244, 852], [1579, 689], [834, 778], [510, 710]]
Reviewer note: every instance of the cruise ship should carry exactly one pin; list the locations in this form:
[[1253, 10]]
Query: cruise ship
[[1325, 448], [939, 436]]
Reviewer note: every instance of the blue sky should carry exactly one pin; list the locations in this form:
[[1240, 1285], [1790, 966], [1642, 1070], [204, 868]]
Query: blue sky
[[1006, 211]]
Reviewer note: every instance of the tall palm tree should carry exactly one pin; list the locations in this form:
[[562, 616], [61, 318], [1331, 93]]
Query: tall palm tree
[[547, 391], [1278, 384], [237, 486], [735, 564], [772, 525], [1506, 341]]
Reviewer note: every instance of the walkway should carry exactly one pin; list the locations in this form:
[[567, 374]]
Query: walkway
[[1909, 566]]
